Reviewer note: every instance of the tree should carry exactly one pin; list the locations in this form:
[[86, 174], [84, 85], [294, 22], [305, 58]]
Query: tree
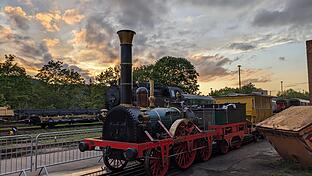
[[246, 89], [109, 77], [54, 73], [224, 91], [143, 73], [9, 68], [3, 101], [173, 71], [14, 83], [291, 93], [249, 88]]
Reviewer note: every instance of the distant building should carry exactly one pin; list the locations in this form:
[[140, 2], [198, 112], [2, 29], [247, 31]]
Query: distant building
[[261, 92], [258, 106]]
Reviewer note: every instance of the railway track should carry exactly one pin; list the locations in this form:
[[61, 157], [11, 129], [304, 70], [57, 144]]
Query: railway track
[[138, 169], [133, 170], [26, 129]]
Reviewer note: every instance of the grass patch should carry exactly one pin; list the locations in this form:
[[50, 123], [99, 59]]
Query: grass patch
[[290, 168]]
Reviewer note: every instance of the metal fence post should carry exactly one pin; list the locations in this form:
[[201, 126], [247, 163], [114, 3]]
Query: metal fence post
[[15, 154], [57, 148]]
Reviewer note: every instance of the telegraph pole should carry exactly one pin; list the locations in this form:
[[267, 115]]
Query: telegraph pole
[[239, 77], [281, 86]]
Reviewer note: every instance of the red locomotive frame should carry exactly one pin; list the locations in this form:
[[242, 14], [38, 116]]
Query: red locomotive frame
[[185, 142]]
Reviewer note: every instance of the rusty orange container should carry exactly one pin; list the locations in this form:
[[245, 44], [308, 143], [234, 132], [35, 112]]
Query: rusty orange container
[[290, 133]]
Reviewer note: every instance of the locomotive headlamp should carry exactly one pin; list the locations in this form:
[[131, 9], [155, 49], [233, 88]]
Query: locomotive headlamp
[[83, 146], [130, 154]]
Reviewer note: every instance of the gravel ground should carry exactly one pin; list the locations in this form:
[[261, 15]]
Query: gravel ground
[[256, 159]]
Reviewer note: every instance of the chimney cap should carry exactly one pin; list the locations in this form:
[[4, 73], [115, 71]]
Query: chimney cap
[[126, 36]]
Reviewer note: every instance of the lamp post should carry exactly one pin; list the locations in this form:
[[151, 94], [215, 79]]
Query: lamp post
[[239, 76]]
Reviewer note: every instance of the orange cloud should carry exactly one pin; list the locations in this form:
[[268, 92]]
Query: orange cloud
[[51, 42], [79, 37], [5, 33], [50, 20], [15, 10], [72, 16], [18, 17]]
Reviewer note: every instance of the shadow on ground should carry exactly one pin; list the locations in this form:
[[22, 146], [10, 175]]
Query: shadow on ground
[[255, 159]]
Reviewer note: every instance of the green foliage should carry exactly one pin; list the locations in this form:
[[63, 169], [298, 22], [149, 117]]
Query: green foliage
[[55, 73], [246, 89], [10, 69], [3, 101], [143, 73], [14, 83], [56, 87], [109, 77], [291, 93], [170, 71], [173, 71]]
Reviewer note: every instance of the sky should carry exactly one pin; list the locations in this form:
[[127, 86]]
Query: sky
[[266, 37]]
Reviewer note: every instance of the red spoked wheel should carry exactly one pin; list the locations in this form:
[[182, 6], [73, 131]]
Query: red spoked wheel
[[224, 146], [236, 142], [204, 154], [114, 165], [238, 145], [183, 151], [153, 163]]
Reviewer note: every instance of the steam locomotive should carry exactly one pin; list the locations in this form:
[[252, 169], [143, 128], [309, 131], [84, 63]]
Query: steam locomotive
[[164, 95], [155, 135]]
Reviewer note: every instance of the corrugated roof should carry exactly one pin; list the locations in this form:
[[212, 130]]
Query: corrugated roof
[[239, 94]]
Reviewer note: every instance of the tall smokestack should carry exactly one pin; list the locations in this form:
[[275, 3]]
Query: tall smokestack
[[309, 58], [126, 37]]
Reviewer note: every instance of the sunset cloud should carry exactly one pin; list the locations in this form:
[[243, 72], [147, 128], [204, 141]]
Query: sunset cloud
[[215, 36], [17, 16], [72, 16], [211, 67], [79, 36], [51, 42], [50, 20], [5, 34]]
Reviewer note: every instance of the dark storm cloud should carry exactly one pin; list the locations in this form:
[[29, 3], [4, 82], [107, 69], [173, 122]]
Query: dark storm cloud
[[241, 46], [140, 40], [19, 22], [98, 31], [220, 3], [28, 48], [223, 61], [281, 58], [17, 17], [99, 35], [295, 12], [210, 67], [45, 52], [140, 13], [256, 80], [84, 73]]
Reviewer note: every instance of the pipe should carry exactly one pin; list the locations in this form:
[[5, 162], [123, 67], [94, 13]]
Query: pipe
[[309, 60], [126, 37], [152, 97]]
